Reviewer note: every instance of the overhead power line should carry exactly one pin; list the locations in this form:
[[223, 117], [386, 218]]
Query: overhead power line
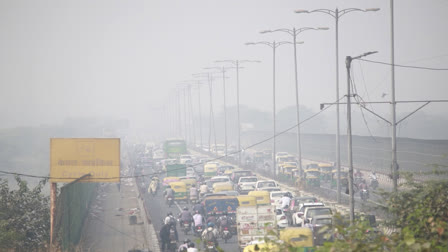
[[406, 66]]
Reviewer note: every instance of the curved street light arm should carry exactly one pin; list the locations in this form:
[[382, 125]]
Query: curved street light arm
[[270, 44], [325, 11], [345, 11]]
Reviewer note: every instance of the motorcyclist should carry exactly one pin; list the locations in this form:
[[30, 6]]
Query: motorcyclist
[[168, 232], [169, 218], [203, 189], [191, 247], [153, 186], [169, 192], [197, 219], [193, 192], [286, 201], [184, 246], [223, 221], [185, 216], [209, 235], [211, 218], [362, 184], [198, 207]]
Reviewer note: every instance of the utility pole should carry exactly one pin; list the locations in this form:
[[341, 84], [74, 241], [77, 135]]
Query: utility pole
[[348, 62], [393, 103]]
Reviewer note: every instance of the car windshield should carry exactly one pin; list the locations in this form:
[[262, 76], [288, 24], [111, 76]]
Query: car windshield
[[266, 184], [277, 195], [318, 211], [248, 180]]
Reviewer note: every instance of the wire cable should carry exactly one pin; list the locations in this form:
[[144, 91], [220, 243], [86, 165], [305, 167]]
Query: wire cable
[[406, 66]]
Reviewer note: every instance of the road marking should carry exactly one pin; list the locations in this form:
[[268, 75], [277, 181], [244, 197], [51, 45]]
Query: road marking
[[177, 204]]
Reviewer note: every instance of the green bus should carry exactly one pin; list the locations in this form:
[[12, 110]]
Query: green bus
[[173, 148]]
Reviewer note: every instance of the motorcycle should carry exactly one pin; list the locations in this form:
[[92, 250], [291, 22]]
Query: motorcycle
[[172, 245], [364, 194], [198, 231], [225, 234], [210, 246], [169, 201], [193, 200], [186, 226]]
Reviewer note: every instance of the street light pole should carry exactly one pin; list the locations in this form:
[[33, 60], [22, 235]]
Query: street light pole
[[200, 114], [223, 69], [236, 63], [348, 62], [294, 32], [274, 46], [336, 14]]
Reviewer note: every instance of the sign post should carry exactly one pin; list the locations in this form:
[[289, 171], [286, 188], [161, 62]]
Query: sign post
[[81, 160]]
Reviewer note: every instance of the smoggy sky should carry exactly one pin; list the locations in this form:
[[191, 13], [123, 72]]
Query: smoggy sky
[[125, 58]]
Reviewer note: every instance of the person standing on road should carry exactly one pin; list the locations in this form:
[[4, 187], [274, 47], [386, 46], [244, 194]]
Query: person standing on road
[[165, 235]]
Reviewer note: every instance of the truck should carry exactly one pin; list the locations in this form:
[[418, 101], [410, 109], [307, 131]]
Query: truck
[[176, 170], [255, 223]]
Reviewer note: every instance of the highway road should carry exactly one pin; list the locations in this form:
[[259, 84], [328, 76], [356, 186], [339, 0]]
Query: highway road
[[158, 210]]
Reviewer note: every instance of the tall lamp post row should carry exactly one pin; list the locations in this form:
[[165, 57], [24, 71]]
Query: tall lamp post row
[[336, 14], [274, 46], [294, 33]]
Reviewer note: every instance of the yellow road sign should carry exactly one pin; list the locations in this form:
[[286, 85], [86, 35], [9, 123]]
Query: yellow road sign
[[71, 158]]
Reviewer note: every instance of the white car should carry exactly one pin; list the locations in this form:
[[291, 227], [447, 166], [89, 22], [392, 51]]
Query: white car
[[249, 180], [282, 220], [265, 183], [297, 217]]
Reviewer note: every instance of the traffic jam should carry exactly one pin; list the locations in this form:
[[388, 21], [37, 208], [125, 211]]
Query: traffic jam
[[199, 202]]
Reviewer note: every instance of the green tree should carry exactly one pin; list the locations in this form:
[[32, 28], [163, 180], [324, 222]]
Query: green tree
[[419, 217], [24, 216]]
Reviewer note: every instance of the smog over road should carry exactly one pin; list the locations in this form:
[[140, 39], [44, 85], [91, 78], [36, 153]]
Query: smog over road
[[335, 88]]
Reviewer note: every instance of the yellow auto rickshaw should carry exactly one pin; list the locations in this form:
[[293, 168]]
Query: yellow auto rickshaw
[[262, 197], [312, 176], [168, 180], [189, 182], [325, 171], [210, 169], [222, 186], [180, 190], [298, 237], [246, 200]]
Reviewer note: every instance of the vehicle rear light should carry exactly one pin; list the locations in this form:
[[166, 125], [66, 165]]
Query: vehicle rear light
[[283, 217], [225, 228]]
